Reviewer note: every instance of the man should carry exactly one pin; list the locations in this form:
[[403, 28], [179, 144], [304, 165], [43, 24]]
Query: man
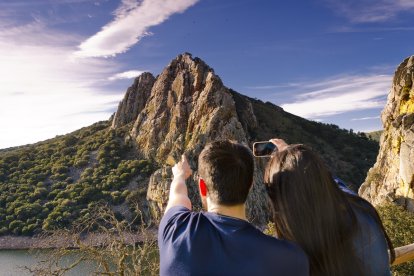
[[220, 241]]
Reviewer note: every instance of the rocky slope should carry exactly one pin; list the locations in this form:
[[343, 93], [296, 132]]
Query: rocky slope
[[187, 106], [392, 176]]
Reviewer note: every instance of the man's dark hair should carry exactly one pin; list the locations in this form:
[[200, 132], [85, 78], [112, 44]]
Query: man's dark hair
[[227, 169]]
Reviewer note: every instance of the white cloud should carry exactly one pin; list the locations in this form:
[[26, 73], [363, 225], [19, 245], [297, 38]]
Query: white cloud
[[267, 87], [44, 91], [131, 23], [359, 29], [365, 11], [339, 95], [365, 118], [126, 75]]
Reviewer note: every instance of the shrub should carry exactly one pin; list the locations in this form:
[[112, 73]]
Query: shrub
[[16, 226], [59, 169], [79, 163], [3, 230], [27, 211]]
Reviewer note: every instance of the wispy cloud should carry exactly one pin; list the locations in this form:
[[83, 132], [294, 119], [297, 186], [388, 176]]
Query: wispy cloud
[[338, 95], [131, 23], [267, 87], [365, 118], [126, 75], [42, 84], [359, 29], [366, 11]]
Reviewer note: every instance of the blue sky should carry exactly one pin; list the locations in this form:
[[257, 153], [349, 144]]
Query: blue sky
[[65, 64]]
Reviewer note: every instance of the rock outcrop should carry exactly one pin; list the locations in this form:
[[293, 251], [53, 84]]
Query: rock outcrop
[[392, 177], [188, 106], [134, 101]]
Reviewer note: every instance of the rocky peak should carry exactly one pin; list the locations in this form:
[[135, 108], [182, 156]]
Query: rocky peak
[[188, 106], [392, 177], [134, 100]]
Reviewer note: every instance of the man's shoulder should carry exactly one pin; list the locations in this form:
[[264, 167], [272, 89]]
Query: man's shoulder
[[175, 211], [175, 214], [177, 218]]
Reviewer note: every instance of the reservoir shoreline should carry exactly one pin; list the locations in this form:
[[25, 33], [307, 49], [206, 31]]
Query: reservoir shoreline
[[94, 239]]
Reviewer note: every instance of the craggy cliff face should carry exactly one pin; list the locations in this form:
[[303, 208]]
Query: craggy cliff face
[[185, 107], [392, 177]]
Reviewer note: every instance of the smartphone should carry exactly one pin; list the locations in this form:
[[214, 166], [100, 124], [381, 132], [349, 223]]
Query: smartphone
[[263, 149]]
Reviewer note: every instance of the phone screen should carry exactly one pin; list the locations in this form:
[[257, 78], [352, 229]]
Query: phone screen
[[261, 149]]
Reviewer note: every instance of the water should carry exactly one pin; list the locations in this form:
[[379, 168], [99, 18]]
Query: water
[[13, 261]]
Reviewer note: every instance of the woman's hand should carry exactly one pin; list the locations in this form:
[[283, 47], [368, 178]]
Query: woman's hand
[[280, 143]]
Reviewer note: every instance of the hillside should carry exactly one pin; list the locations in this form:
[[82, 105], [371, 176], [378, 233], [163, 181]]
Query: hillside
[[126, 161], [374, 135]]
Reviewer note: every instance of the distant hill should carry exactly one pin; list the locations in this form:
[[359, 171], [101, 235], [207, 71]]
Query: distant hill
[[374, 135], [126, 161]]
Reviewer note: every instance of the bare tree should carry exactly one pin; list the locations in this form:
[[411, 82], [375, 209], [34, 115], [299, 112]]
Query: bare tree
[[100, 240]]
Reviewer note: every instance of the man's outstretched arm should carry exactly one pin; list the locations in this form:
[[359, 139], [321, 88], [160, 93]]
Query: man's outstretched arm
[[178, 188]]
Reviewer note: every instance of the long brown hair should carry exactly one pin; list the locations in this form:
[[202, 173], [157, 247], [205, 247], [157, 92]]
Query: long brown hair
[[310, 209]]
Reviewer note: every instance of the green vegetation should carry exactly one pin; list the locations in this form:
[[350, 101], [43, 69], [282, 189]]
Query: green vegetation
[[399, 225], [374, 135], [53, 183]]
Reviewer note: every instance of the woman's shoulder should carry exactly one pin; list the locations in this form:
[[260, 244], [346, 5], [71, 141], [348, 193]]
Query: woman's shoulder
[[369, 241]]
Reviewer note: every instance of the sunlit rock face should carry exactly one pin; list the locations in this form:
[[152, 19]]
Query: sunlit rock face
[[392, 176], [186, 107], [134, 100]]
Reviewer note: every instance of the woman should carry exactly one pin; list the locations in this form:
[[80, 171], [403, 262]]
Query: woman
[[341, 232]]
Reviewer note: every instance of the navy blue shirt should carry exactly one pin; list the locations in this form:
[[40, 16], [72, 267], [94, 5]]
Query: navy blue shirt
[[193, 243]]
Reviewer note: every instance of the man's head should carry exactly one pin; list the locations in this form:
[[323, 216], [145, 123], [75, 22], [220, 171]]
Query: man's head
[[227, 170]]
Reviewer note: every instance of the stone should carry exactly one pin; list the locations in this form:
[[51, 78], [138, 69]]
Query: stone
[[189, 106], [134, 101], [392, 176]]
